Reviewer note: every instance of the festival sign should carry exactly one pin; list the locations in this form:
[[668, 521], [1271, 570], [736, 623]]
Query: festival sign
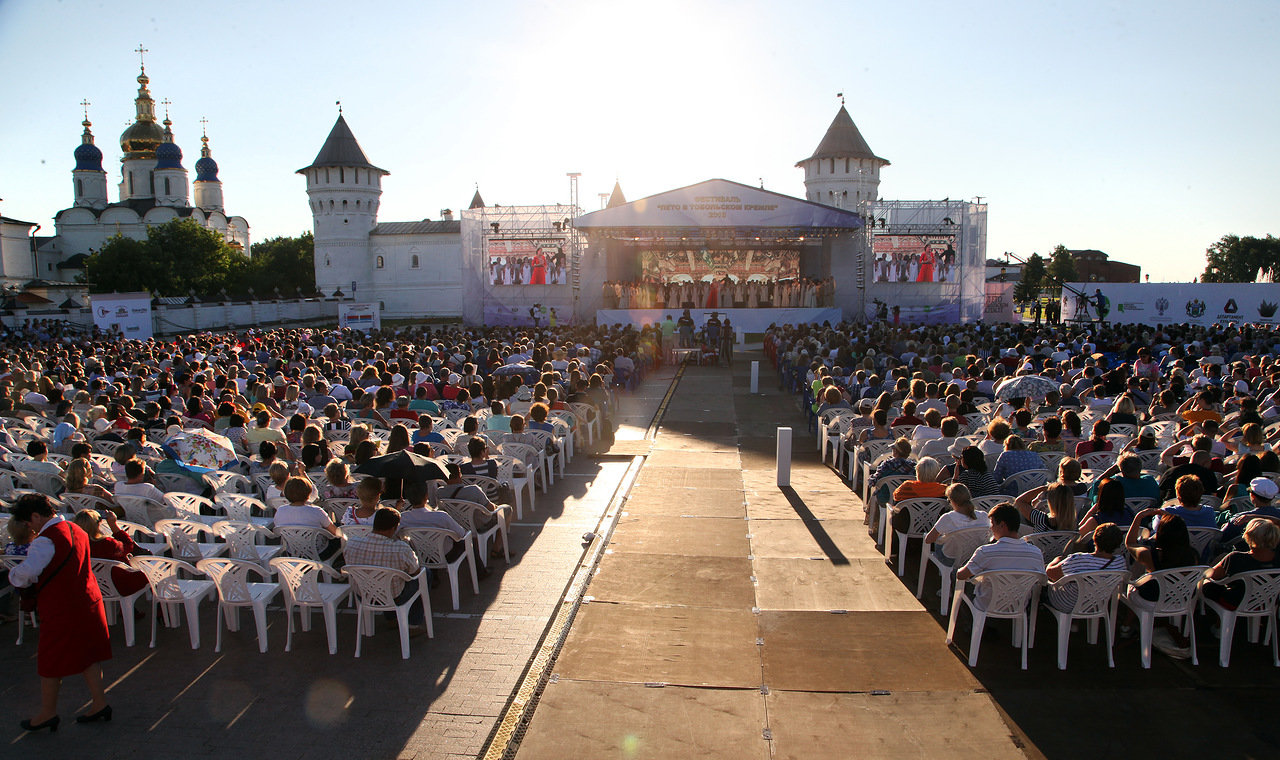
[[126, 313], [527, 261], [360, 316], [712, 264], [1172, 303], [913, 258], [999, 306]]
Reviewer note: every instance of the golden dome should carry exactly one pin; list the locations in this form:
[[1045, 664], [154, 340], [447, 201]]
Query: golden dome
[[141, 137]]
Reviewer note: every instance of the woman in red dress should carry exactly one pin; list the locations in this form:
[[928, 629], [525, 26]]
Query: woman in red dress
[[926, 266], [73, 623]]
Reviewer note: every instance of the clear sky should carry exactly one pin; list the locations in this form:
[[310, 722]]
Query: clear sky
[[1144, 129]]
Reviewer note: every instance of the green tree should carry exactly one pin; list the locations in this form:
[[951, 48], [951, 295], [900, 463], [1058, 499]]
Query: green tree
[[1242, 259], [177, 257], [1062, 268], [1032, 280], [287, 263]]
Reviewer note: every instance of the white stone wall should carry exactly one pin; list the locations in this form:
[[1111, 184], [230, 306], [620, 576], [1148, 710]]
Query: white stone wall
[[174, 320], [15, 253], [432, 288], [843, 183]]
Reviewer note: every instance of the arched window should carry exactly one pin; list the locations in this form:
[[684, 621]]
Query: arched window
[[130, 183], [344, 205], [331, 205], [380, 262], [357, 205], [414, 261], [327, 262]]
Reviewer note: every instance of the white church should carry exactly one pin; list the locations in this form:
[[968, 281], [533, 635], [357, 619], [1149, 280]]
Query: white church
[[153, 189]]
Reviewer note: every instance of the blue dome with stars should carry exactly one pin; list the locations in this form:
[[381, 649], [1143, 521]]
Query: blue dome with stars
[[168, 156], [88, 157], [206, 170]]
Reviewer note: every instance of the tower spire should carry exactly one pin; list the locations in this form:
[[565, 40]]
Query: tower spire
[[87, 137]]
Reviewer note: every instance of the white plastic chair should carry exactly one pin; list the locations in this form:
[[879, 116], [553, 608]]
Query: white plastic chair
[[8, 562], [1052, 543], [1051, 459], [230, 482], [169, 590], [306, 542], [78, 502], [239, 507], [988, 503], [924, 512], [490, 486], [1177, 601], [430, 546], [519, 484], [1097, 597], [170, 482], [1015, 594], [1021, 482], [242, 541], [375, 592], [110, 594], [191, 503], [300, 581], [880, 508], [144, 511], [143, 537], [1261, 591], [553, 459], [1202, 539], [1098, 460], [184, 540], [862, 458], [466, 513], [230, 578], [958, 545]]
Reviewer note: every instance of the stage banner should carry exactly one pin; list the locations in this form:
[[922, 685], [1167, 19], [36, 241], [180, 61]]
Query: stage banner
[[743, 320], [941, 313], [999, 306], [527, 261], [360, 316], [1171, 303], [129, 313], [913, 258]]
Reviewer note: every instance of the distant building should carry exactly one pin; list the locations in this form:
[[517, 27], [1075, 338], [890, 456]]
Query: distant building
[[1093, 266]]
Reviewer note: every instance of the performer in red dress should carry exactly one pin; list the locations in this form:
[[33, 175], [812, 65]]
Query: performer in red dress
[[926, 266], [73, 623], [539, 269]]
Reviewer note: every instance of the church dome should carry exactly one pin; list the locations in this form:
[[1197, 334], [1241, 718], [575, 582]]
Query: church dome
[[206, 170], [168, 156], [88, 157], [142, 137]]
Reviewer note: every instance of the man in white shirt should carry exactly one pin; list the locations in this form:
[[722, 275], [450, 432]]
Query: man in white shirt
[[133, 485], [1007, 552]]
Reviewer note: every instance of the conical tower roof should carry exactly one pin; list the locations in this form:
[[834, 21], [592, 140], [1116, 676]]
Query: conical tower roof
[[476, 200], [341, 149], [843, 140], [616, 198]]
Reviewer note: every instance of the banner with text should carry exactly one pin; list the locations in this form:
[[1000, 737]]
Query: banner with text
[[127, 313], [360, 316], [527, 261], [999, 306], [1171, 303]]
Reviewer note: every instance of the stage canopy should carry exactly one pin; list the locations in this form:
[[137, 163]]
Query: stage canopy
[[719, 203]]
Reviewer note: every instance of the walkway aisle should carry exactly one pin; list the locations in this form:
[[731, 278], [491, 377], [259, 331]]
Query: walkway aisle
[[730, 619]]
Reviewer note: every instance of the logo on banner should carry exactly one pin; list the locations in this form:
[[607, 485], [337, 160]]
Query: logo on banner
[[1267, 310], [1162, 305], [1230, 307], [1195, 308]]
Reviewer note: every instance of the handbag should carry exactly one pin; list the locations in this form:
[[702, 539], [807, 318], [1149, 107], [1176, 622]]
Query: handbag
[[27, 596]]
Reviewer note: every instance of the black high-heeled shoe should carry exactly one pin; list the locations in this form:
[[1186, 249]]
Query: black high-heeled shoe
[[103, 715], [51, 724]]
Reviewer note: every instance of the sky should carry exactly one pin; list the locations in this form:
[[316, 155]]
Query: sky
[[1143, 129]]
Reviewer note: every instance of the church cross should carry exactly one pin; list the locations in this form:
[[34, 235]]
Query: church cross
[[85, 103], [142, 52]]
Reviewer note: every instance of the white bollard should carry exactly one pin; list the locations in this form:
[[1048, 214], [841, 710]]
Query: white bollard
[[755, 377], [784, 457]]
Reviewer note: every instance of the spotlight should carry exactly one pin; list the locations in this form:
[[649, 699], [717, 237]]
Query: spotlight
[[493, 226]]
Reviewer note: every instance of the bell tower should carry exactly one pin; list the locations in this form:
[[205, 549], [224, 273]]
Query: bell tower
[[842, 172]]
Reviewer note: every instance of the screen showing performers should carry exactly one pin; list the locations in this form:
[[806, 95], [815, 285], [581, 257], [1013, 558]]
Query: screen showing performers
[[914, 258], [528, 261], [711, 264]]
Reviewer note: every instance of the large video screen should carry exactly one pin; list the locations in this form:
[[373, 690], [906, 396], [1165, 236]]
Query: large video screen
[[913, 258], [527, 261], [710, 264]]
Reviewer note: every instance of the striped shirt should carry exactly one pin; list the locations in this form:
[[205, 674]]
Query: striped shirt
[[1004, 554], [1064, 598]]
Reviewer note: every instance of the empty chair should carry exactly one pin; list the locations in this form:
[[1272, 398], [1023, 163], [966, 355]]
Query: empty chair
[[169, 591], [230, 577], [375, 589], [429, 544], [306, 542], [923, 513], [1096, 598], [1011, 594], [1176, 600], [240, 507], [191, 503], [243, 542], [184, 540], [470, 515], [230, 482], [300, 580]]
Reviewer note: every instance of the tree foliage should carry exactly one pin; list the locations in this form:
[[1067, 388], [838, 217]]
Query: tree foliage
[[1242, 259], [1031, 281], [1062, 268], [180, 257]]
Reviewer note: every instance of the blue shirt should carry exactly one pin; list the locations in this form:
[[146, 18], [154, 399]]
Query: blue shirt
[[1204, 517], [1013, 462]]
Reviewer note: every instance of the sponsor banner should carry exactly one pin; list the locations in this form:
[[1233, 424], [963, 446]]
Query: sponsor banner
[[913, 258], [1172, 303], [1000, 306], [127, 313], [360, 316], [942, 313], [527, 261]]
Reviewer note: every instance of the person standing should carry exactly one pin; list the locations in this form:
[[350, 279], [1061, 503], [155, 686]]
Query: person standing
[[73, 623], [726, 342]]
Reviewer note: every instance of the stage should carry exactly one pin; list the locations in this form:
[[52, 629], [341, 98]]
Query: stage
[[743, 320]]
